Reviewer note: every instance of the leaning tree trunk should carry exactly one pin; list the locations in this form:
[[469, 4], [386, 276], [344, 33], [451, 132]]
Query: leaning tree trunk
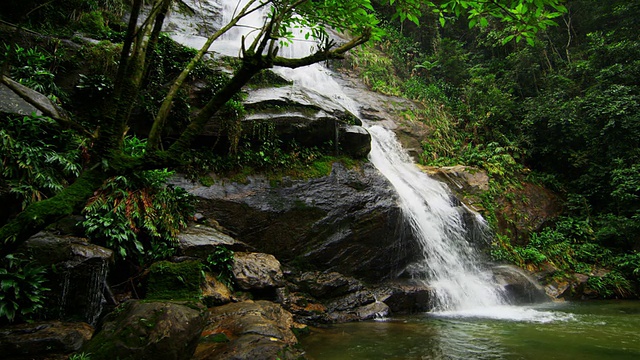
[[40, 214]]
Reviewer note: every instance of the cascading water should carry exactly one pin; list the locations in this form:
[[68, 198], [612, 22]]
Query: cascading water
[[449, 263]]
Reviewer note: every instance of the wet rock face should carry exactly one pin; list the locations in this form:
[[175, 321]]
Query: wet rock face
[[80, 277], [296, 115], [148, 330], [521, 287], [182, 22], [348, 222]]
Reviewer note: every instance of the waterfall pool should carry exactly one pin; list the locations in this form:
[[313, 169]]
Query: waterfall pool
[[574, 330]]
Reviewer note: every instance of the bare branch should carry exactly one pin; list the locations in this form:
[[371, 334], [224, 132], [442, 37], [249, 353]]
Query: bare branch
[[323, 54]]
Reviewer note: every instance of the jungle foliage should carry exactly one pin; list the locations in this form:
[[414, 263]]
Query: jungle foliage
[[565, 107], [133, 86], [488, 86]]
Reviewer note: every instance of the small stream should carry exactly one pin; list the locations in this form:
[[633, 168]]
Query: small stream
[[578, 330]]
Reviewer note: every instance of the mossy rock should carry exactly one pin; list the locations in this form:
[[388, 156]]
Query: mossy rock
[[148, 330], [175, 281]]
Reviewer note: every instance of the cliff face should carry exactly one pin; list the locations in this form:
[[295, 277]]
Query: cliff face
[[348, 221]]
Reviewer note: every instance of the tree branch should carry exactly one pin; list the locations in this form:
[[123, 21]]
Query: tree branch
[[153, 141], [324, 54]]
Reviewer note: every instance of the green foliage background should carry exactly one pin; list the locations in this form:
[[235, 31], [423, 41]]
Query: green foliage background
[[563, 113]]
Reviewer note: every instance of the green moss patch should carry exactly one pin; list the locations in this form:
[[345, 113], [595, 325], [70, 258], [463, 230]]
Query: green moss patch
[[175, 281]]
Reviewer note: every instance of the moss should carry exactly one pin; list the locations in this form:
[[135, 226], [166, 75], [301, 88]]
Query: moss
[[267, 78], [206, 180], [302, 331], [175, 281], [38, 215], [215, 338], [318, 168]]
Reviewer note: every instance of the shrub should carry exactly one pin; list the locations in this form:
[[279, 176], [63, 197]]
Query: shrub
[[33, 68], [36, 166], [138, 215], [221, 262], [22, 289]]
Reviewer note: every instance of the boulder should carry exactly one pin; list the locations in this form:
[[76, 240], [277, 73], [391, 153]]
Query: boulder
[[305, 309], [356, 306], [257, 271], [520, 286], [375, 310], [405, 297], [43, 339], [326, 284], [18, 99], [200, 240], [148, 330], [214, 292], [248, 331], [81, 271], [351, 301], [348, 221]]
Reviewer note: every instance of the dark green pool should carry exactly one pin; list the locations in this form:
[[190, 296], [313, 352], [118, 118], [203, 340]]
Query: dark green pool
[[585, 331]]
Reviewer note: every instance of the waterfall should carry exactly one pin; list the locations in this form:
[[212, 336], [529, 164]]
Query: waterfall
[[449, 264]]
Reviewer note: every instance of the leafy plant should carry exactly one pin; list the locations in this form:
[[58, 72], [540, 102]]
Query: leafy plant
[[95, 87], [34, 166], [33, 67], [23, 291], [80, 356], [612, 285], [221, 262], [138, 215]]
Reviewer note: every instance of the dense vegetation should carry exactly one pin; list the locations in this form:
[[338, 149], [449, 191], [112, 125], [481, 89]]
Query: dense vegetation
[[563, 113], [511, 94]]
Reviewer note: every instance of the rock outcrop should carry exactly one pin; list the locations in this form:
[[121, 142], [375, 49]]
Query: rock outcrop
[[35, 340], [79, 281], [348, 221], [466, 182], [149, 330], [248, 330], [293, 114]]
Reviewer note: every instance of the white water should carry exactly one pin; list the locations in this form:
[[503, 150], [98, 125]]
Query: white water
[[449, 263]]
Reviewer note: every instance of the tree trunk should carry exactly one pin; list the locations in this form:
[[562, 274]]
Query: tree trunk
[[38, 215], [161, 118], [242, 76]]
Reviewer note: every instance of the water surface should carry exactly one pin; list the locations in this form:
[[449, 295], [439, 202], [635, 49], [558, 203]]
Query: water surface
[[585, 330]]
